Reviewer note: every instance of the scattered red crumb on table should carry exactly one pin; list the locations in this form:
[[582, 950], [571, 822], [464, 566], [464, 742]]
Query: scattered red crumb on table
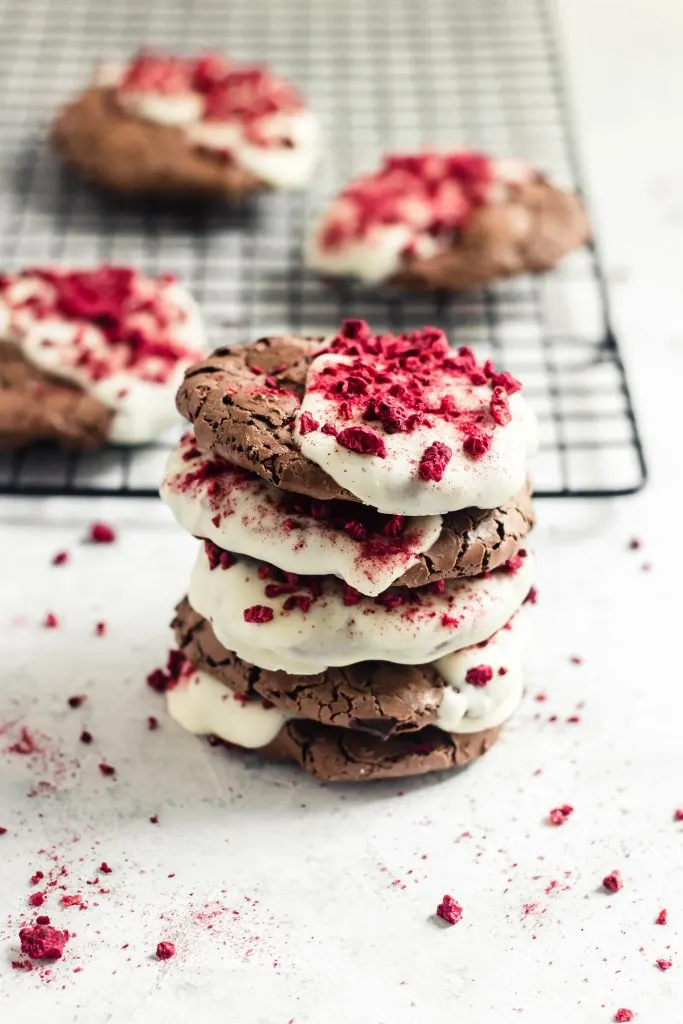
[[50, 621], [101, 533], [479, 675], [76, 700], [36, 899], [623, 1015], [107, 769], [576, 659], [613, 882], [635, 544], [448, 910], [100, 628], [558, 815], [678, 814], [3, 831], [165, 950], [661, 917], [60, 558], [152, 723], [664, 965], [42, 942], [25, 745], [72, 900], [85, 737], [154, 819]]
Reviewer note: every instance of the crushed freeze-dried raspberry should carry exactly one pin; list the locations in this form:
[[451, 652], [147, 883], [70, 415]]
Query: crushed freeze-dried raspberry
[[613, 882], [42, 942], [76, 700], [152, 723], [476, 444], [664, 965], [86, 737], [100, 628], [678, 814], [513, 565], [36, 899], [307, 423], [350, 596], [258, 613], [623, 1015], [106, 769], [532, 596], [50, 621], [448, 910], [165, 950], [573, 719], [362, 440], [434, 460], [300, 601], [154, 819], [101, 533], [217, 556], [74, 900], [42, 919], [499, 408], [558, 815], [159, 680], [662, 917], [104, 868], [36, 877], [479, 675], [3, 831], [60, 558]]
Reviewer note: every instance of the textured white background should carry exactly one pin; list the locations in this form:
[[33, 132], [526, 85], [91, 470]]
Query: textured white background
[[336, 887]]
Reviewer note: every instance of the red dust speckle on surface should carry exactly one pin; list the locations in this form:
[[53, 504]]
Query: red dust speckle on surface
[[100, 628], [76, 700], [662, 917], [101, 533], [107, 770], [449, 910], [165, 950], [434, 460], [664, 965], [22, 965], [85, 737], [42, 942], [623, 1015], [613, 882], [60, 558], [573, 719], [558, 815], [50, 621]]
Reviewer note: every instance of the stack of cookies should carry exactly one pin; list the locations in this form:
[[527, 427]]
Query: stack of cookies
[[362, 507]]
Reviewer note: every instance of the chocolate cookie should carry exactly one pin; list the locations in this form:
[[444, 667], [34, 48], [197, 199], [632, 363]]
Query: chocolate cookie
[[37, 407], [120, 152], [345, 755]]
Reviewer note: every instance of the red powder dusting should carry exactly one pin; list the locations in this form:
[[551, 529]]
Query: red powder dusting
[[42, 942], [362, 440], [100, 628], [258, 613], [476, 444], [449, 620], [86, 737], [613, 882], [36, 899], [76, 700], [448, 910], [101, 533], [60, 558], [559, 815], [165, 950], [661, 917], [307, 423], [541, 697], [622, 1016], [107, 769], [50, 621], [479, 675], [217, 556], [434, 460]]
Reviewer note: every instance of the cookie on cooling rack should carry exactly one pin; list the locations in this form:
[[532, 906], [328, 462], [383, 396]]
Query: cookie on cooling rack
[[176, 127], [89, 356], [453, 221]]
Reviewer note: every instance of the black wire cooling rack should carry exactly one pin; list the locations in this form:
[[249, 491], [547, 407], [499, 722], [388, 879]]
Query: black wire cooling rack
[[384, 75]]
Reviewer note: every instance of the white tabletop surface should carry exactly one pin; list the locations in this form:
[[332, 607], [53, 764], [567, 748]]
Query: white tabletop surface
[[289, 901]]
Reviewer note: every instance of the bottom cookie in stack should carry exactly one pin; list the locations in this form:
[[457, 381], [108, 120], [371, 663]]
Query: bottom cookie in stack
[[370, 720]]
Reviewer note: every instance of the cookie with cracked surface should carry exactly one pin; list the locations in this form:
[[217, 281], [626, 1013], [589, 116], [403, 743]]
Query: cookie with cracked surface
[[374, 697], [449, 222], [35, 406], [197, 127]]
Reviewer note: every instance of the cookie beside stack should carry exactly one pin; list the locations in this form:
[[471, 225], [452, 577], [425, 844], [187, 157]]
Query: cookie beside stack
[[362, 508]]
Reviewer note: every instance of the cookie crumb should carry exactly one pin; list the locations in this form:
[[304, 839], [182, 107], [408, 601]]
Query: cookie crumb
[[613, 882], [101, 533], [165, 950], [558, 815], [448, 910], [36, 899]]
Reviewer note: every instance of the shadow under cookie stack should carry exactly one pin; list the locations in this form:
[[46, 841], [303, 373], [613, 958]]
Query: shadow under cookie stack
[[362, 507]]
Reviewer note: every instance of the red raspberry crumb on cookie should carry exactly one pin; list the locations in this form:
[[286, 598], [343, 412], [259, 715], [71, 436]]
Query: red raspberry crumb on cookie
[[558, 815], [36, 877], [476, 444], [217, 556], [623, 1015], [307, 423], [42, 942], [362, 440], [434, 460], [350, 596], [664, 965], [662, 917], [479, 675], [448, 910], [613, 882], [3, 831], [101, 533], [258, 613], [60, 558], [499, 408], [50, 621], [165, 950]]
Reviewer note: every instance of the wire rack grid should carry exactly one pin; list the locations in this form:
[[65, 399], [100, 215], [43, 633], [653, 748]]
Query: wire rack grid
[[384, 75]]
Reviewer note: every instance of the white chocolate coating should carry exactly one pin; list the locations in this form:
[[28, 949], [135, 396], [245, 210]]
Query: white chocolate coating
[[333, 634], [242, 515]]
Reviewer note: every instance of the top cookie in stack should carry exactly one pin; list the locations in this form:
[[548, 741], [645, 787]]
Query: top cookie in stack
[[364, 505]]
